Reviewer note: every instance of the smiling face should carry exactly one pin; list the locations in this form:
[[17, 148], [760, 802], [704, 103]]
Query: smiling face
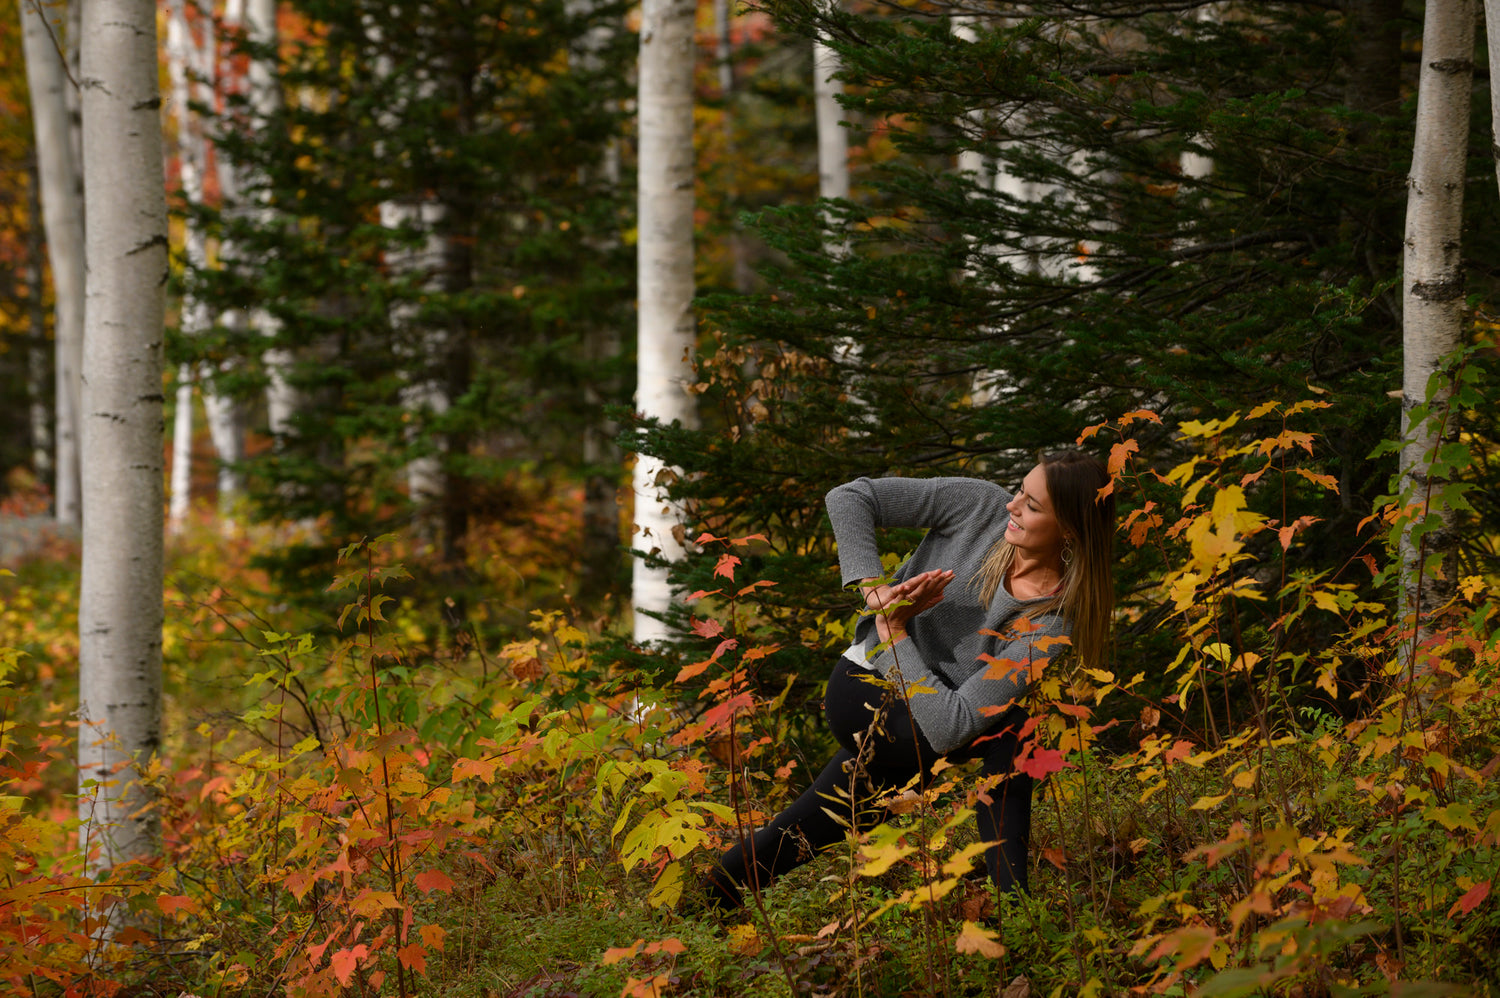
[[1034, 527]]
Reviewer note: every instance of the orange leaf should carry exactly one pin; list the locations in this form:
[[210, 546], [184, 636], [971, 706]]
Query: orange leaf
[[345, 961], [707, 628], [434, 880], [169, 904], [1179, 751], [1473, 899], [1039, 762], [671, 945], [726, 565], [483, 769], [617, 953], [433, 936], [299, 882], [689, 671], [1120, 453], [1190, 945], [413, 957]]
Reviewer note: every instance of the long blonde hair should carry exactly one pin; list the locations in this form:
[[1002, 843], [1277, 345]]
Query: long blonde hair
[[1086, 596]]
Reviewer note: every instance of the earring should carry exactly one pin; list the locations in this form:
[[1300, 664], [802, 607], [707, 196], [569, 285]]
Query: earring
[[1067, 552]]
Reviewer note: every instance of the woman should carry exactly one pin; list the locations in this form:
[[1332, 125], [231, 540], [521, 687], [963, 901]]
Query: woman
[[1043, 554]]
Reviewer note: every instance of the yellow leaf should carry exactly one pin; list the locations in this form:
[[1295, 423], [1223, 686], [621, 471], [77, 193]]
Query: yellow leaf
[[878, 858], [668, 887], [1209, 803], [974, 938]]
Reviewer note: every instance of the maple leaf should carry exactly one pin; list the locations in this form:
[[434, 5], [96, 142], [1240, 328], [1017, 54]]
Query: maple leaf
[[726, 565], [615, 954], [1190, 945], [345, 961], [483, 769], [413, 956], [434, 880], [1040, 762], [977, 939], [1120, 453], [1471, 900], [175, 903], [707, 628]]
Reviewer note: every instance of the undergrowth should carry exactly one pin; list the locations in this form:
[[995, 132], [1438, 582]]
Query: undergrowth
[[1302, 802]]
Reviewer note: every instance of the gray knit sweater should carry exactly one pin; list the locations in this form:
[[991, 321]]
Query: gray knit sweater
[[964, 517]]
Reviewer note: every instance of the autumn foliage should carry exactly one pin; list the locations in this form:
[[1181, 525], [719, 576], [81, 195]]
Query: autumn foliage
[[1300, 801]]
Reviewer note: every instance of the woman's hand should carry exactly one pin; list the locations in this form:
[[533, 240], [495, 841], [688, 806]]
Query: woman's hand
[[898, 604]]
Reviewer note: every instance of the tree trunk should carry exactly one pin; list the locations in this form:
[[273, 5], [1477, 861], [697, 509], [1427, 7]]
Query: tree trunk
[[120, 598], [180, 491], [191, 68], [62, 215], [1433, 279], [833, 139], [664, 261], [263, 92], [602, 460], [1492, 41], [424, 396], [743, 275], [38, 359]]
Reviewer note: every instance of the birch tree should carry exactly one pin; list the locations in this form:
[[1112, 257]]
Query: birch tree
[[664, 264], [833, 138], [62, 215], [120, 599], [244, 191], [1432, 280], [183, 64]]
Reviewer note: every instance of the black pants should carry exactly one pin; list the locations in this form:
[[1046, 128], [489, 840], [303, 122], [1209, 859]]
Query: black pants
[[893, 751]]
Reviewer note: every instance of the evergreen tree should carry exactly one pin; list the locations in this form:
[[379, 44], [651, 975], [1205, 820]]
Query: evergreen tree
[[1192, 293], [478, 107]]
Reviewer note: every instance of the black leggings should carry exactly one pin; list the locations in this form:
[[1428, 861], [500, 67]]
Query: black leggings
[[895, 751]]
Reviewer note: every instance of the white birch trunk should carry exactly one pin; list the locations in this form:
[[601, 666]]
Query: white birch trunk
[[190, 65], [833, 138], [190, 156], [1432, 275], [263, 90], [983, 385], [664, 260], [62, 215], [425, 393], [120, 598], [970, 161], [180, 489]]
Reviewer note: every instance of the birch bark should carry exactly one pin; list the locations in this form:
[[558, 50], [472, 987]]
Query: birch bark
[[62, 216], [664, 262], [1433, 277], [120, 598]]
